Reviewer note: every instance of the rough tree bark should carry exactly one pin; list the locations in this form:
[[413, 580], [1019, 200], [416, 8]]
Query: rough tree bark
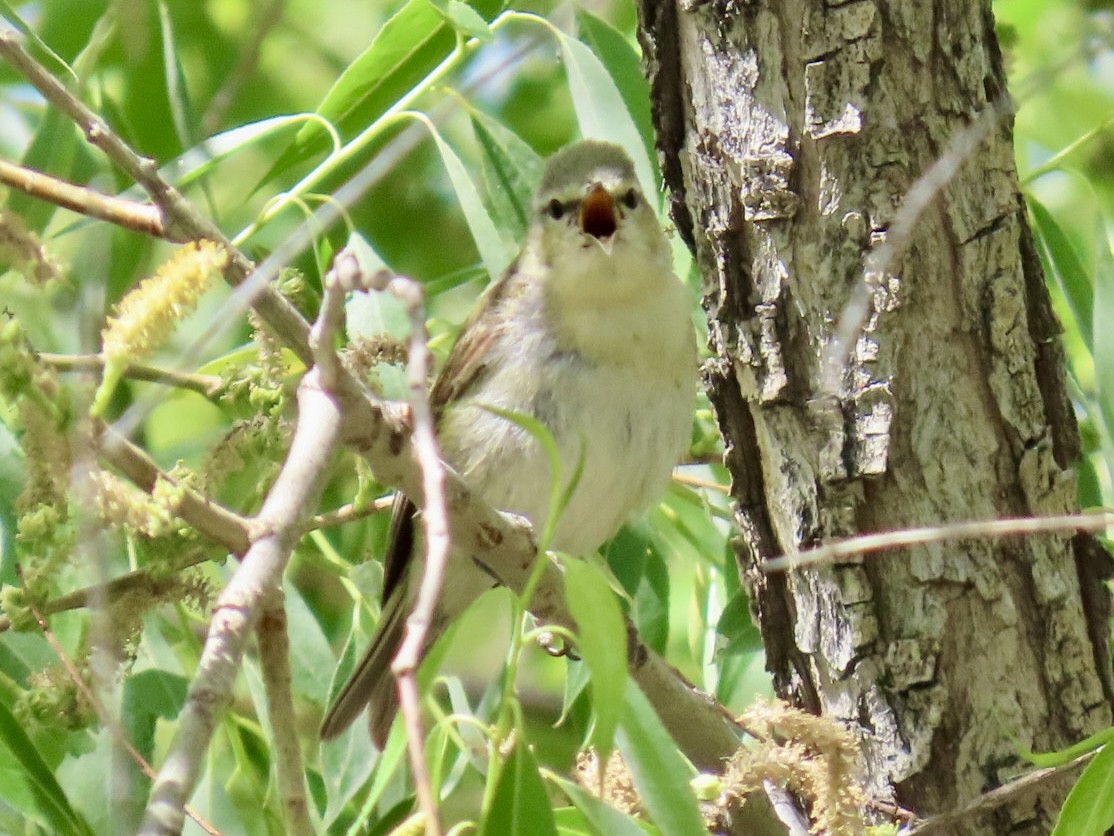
[[790, 131]]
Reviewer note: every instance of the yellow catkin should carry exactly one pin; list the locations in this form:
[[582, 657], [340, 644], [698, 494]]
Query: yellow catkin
[[144, 319]]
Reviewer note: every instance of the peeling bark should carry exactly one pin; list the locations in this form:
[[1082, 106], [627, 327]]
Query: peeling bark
[[789, 134]]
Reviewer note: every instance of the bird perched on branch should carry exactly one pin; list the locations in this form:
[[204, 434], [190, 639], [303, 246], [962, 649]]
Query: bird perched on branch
[[589, 333]]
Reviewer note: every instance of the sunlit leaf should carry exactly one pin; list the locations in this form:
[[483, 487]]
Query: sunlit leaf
[[602, 645], [496, 251], [51, 798], [519, 806], [1067, 269], [600, 109], [1089, 807], [511, 169], [660, 773], [625, 68]]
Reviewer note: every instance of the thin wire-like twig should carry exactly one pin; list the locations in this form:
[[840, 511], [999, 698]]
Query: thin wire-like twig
[[269, 17], [207, 385], [977, 529], [1005, 794], [349, 513]]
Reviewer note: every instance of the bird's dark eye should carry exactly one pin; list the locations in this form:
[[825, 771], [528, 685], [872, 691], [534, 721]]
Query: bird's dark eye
[[555, 209], [630, 199]]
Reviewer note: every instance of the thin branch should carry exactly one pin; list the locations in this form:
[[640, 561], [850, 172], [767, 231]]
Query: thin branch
[[879, 262], [349, 513], [1016, 527], [1005, 794], [295, 491], [154, 582], [181, 221], [207, 385], [129, 214], [105, 718], [213, 521], [274, 661], [435, 520], [696, 482]]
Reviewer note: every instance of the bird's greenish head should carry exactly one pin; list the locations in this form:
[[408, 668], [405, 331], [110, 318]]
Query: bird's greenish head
[[590, 210]]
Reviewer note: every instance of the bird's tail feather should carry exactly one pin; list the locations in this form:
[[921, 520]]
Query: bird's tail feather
[[372, 684]]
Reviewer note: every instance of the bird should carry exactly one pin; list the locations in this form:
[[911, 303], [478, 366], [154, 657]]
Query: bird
[[588, 332]]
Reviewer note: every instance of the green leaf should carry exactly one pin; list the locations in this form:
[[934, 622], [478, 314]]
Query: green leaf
[[408, 47], [177, 95], [624, 65], [205, 156], [512, 171], [635, 559], [1048, 760], [52, 801], [60, 65], [520, 806], [737, 628], [496, 252], [463, 18], [600, 109], [1066, 268], [660, 773], [603, 645], [1089, 807], [1104, 338]]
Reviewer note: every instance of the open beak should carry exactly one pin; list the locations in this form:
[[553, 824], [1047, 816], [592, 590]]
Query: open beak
[[599, 216]]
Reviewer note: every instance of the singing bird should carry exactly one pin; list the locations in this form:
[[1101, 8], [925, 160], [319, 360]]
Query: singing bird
[[588, 332]]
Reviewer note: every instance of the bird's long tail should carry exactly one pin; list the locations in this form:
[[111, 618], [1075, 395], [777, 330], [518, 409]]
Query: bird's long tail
[[372, 684]]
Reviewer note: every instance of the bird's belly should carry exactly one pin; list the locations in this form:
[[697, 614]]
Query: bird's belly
[[628, 435]]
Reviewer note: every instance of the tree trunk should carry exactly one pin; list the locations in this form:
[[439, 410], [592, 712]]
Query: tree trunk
[[790, 131]]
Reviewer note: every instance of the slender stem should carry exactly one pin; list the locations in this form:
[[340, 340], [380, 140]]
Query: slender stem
[[129, 214], [858, 546], [208, 385]]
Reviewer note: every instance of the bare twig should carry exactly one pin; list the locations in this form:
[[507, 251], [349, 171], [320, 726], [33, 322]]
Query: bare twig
[[435, 521], [867, 543], [346, 274], [274, 661], [696, 482], [288, 503], [1005, 794], [104, 717], [153, 582], [215, 522], [208, 385], [129, 214], [349, 513], [879, 262]]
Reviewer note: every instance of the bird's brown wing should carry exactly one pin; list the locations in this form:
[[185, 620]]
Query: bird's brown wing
[[464, 367]]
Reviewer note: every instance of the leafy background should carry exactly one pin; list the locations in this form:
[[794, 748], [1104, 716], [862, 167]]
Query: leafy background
[[217, 93]]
